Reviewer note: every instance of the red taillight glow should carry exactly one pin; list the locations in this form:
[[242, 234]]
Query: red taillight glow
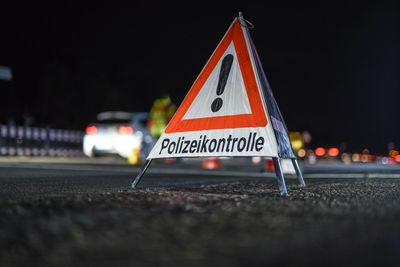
[[333, 152], [320, 151], [125, 130], [91, 129]]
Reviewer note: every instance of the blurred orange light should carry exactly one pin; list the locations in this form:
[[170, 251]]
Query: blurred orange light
[[356, 157], [320, 151], [301, 153], [125, 130], [393, 153], [333, 152], [91, 129], [397, 158], [365, 151]]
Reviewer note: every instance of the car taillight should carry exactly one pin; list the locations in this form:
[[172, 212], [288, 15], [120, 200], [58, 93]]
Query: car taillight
[[333, 152], [125, 130], [320, 151], [91, 129]]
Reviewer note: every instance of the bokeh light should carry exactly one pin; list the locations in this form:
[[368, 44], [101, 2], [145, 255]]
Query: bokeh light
[[393, 153], [333, 152], [346, 158], [356, 157], [301, 153], [320, 151]]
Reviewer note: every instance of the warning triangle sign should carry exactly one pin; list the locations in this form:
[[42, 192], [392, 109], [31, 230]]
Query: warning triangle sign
[[226, 112], [225, 95], [229, 111]]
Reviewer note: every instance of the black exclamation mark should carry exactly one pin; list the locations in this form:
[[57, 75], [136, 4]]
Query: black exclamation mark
[[223, 77]]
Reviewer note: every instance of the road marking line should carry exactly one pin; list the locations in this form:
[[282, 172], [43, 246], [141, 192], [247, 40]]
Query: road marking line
[[352, 175], [157, 170], [334, 175]]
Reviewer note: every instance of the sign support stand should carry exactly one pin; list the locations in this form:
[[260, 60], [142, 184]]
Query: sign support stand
[[200, 128], [139, 176], [298, 172], [279, 176]]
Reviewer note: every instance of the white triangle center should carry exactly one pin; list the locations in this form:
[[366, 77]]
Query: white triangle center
[[234, 97]]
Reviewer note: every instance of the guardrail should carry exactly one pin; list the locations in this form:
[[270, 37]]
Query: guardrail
[[33, 141]]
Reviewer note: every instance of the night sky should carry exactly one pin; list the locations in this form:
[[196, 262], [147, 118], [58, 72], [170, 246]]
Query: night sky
[[334, 69]]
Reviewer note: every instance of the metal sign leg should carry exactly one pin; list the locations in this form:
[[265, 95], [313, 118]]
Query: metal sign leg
[[298, 172], [139, 176], [279, 176]]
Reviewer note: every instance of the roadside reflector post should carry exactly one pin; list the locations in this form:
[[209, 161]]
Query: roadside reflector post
[[279, 176], [298, 172], [139, 176]]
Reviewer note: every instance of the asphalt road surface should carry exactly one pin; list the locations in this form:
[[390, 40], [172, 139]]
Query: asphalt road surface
[[84, 213], [27, 177], [42, 178]]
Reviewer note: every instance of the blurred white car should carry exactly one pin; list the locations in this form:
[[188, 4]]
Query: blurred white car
[[119, 133]]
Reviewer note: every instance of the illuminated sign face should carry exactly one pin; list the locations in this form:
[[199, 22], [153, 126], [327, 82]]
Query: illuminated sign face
[[224, 113]]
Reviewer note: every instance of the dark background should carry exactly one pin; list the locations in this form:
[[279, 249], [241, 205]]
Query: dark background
[[334, 68]]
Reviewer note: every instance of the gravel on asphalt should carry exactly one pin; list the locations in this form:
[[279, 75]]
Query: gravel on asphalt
[[348, 222]]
